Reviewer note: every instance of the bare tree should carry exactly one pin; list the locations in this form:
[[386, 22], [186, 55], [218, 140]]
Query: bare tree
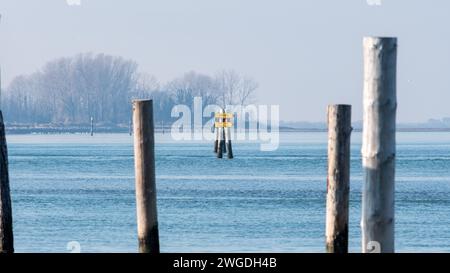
[[235, 88], [246, 91], [227, 81], [146, 85], [70, 90], [192, 84]]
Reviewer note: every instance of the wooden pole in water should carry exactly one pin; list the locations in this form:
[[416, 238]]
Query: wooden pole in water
[[228, 142], [220, 138], [220, 143], [228, 138], [6, 223], [92, 126], [378, 147], [338, 180], [144, 158], [224, 137], [130, 128], [216, 141]]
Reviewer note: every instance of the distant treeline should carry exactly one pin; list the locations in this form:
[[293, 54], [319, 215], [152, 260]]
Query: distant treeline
[[71, 90]]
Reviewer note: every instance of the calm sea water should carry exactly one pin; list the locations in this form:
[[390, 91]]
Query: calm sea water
[[81, 188]]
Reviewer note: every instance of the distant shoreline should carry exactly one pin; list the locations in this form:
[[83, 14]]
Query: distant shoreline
[[24, 130]]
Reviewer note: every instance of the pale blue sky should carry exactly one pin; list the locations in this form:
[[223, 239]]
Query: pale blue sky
[[305, 54]]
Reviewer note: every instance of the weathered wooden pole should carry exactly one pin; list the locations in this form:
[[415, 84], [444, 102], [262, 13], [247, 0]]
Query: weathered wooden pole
[[220, 143], [92, 126], [216, 141], [224, 132], [144, 159], [130, 128], [227, 129], [378, 147], [6, 223], [228, 142], [338, 180], [220, 137]]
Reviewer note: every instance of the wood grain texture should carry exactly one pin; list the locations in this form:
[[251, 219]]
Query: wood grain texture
[[6, 220], [338, 180], [378, 147], [144, 158]]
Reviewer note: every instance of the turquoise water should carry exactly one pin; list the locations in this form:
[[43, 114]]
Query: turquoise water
[[81, 188]]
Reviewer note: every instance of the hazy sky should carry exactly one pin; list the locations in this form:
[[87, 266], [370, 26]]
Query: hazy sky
[[305, 54]]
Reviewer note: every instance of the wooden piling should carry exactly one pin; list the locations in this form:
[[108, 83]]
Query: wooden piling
[[216, 141], [220, 138], [224, 135], [338, 180], [92, 126], [220, 143], [130, 128], [378, 147], [6, 222], [144, 158], [228, 142]]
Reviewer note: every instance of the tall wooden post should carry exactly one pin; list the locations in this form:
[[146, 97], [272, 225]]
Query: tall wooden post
[[6, 223], [130, 128], [216, 141], [92, 126], [144, 159], [224, 133], [378, 147], [338, 180], [221, 138], [229, 148]]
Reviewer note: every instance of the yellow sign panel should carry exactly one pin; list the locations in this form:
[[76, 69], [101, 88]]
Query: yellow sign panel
[[224, 115], [223, 124]]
